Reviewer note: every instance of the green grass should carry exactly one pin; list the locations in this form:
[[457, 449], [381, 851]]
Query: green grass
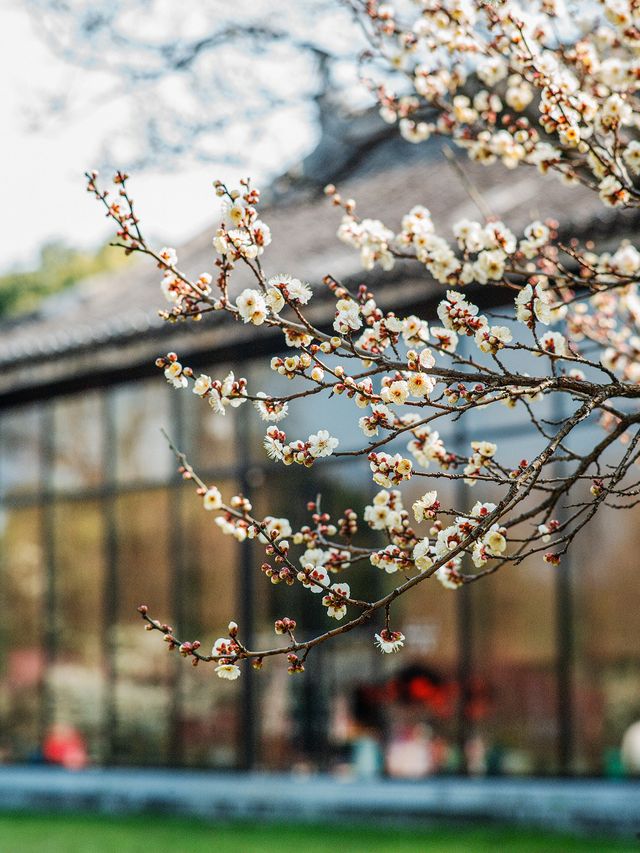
[[23, 833]]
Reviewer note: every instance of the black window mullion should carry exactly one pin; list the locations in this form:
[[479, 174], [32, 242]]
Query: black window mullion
[[50, 616], [111, 580], [563, 592]]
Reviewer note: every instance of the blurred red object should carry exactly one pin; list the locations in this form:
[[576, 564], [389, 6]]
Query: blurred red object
[[65, 745]]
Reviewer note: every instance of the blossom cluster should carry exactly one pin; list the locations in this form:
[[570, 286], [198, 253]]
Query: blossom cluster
[[520, 83]]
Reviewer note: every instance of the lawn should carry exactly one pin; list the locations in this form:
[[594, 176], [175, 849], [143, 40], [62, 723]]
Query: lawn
[[20, 833]]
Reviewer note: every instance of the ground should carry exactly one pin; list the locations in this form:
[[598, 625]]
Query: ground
[[20, 833]]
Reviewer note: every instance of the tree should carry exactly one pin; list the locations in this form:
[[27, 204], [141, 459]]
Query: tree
[[59, 267], [195, 82], [537, 89]]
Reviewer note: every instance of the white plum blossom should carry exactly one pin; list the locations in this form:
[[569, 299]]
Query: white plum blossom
[[389, 470], [385, 512], [486, 449], [174, 375], [168, 256], [334, 600], [274, 445], [274, 300], [533, 302], [491, 70], [422, 555], [489, 266], [420, 385], [470, 235], [252, 307], [554, 343], [314, 577], [395, 392], [632, 156], [223, 646], [414, 131], [314, 557], [536, 235], [458, 315], [426, 359], [298, 291], [491, 339], [495, 540], [426, 506], [389, 641], [322, 444], [281, 527], [228, 671], [481, 510], [612, 192], [449, 575], [415, 331], [380, 416], [212, 498], [270, 410], [202, 385], [231, 392], [292, 288], [626, 260], [347, 316], [372, 238]]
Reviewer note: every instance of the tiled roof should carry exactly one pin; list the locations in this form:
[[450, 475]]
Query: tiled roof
[[386, 175]]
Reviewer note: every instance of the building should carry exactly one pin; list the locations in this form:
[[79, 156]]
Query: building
[[536, 671]]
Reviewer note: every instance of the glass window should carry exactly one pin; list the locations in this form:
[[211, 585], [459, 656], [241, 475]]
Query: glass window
[[210, 439], [20, 464], [398, 713], [141, 410], [513, 694], [296, 716], [22, 589], [144, 669], [209, 707], [76, 678], [78, 432], [606, 633]]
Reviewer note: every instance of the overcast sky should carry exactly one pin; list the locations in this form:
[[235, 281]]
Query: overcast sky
[[43, 162]]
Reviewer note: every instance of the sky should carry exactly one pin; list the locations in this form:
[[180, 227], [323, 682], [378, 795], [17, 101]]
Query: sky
[[44, 160]]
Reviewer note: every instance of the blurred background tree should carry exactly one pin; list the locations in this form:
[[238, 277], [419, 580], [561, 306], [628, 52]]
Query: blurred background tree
[[58, 268], [207, 81]]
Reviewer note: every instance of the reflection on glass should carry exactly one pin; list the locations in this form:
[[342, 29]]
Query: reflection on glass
[[20, 437], [210, 439], [141, 411], [144, 670], [78, 431]]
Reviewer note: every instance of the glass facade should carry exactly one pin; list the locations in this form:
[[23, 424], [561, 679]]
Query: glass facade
[[535, 671]]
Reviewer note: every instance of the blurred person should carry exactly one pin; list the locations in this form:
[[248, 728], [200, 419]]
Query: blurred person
[[410, 754], [366, 755], [65, 745]]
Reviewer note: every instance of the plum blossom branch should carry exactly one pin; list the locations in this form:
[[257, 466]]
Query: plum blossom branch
[[502, 85]]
